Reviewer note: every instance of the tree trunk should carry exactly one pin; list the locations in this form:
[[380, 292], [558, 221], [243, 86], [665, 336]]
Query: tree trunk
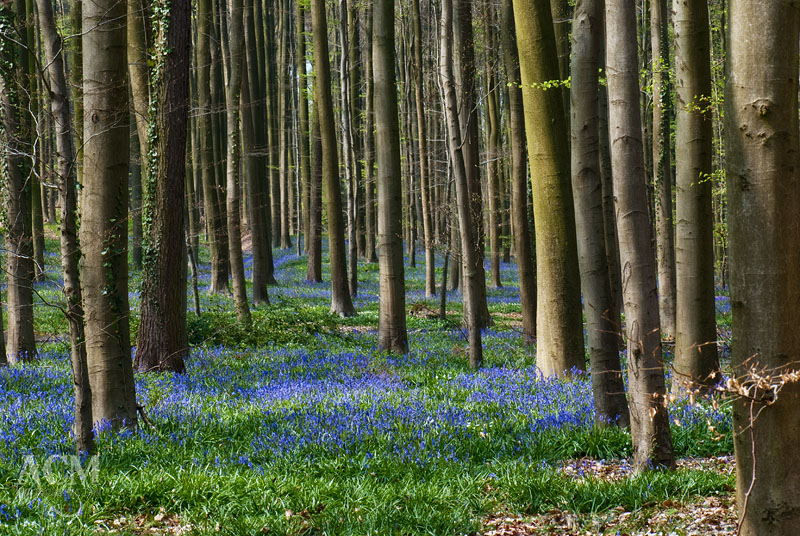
[[392, 335], [303, 138], [341, 302], [493, 157], [523, 241], [696, 363], [212, 198], [104, 208], [652, 441], [283, 126], [70, 249], [253, 137], [347, 148], [163, 342], [467, 80], [764, 229], [467, 227], [314, 269], [369, 142], [233, 87], [662, 168], [608, 387], [20, 343], [559, 330]]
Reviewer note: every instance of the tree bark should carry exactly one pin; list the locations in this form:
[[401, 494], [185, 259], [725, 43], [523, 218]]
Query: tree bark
[[233, 87], [369, 143], [163, 341], [523, 240], [469, 251], [104, 208], [608, 387], [559, 330], [652, 441], [303, 136], [314, 269], [70, 249], [392, 334], [20, 343], [696, 363], [662, 167], [762, 147], [341, 302]]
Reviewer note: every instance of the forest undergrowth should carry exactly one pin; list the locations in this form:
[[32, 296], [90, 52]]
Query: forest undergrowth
[[300, 425]]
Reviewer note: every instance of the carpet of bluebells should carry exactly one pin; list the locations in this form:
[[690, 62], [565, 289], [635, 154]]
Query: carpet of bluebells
[[326, 434]]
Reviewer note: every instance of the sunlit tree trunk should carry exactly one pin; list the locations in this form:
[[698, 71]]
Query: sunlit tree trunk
[[559, 330], [104, 209], [762, 146], [601, 330], [652, 441], [696, 362]]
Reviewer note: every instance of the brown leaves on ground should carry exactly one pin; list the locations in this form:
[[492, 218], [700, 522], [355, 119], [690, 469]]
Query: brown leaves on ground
[[706, 516], [161, 524]]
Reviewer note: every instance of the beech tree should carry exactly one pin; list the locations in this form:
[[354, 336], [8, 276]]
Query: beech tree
[[652, 440], [104, 224], [696, 362], [341, 302], [392, 333], [559, 329], [601, 329], [762, 147]]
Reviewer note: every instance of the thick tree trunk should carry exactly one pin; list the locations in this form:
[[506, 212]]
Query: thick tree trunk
[[469, 251], [662, 167], [652, 441], [523, 240], [104, 207], [559, 330], [608, 387], [392, 335], [341, 302], [696, 363], [163, 342], [762, 147], [233, 87]]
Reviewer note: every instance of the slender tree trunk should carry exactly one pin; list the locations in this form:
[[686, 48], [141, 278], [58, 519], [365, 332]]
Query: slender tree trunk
[[559, 330], [303, 138], [314, 269], [608, 387], [135, 181], [467, 227], [392, 335], [20, 343], [652, 441], [662, 167], [467, 80], [347, 148], [523, 240], [369, 142], [212, 198], [70, 249], [104, 207], [696, 362], [283, 126], [233, 87], [163, 342], [762, 147], [341, 302], [493, 156]]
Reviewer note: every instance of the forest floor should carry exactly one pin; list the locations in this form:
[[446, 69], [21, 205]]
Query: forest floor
[[301, 425]]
